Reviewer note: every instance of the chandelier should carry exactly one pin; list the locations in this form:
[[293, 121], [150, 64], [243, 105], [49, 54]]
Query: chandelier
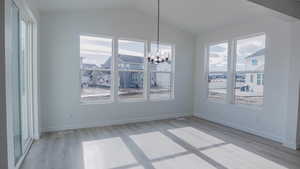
[[158, 56]]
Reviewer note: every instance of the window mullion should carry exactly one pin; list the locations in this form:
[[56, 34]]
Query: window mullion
[[172, 78], [146, 71], [231, 71], [147, 68], [115, 73], [206, 70]]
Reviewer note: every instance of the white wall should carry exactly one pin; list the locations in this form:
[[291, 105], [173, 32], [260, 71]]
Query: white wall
[[293, 117], [59, 75], [269, 121], [3, 123]]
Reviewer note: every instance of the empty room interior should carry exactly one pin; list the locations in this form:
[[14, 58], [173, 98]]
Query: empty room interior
[[149, 84]]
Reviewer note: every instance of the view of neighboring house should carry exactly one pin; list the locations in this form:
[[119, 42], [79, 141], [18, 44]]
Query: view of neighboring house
[[254, 81], [249, 82], [92, 76]]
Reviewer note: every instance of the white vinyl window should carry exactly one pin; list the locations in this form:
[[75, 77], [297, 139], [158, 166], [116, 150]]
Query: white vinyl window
[[131, 69], [117, 69], [250, 63], [161, 75], [237, 76], [217, 71], [96, 68]]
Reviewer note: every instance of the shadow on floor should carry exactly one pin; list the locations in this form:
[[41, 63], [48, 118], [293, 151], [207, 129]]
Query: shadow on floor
[[191, 143]]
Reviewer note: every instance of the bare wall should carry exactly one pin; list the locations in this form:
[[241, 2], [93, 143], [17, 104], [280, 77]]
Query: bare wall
[[3, 124], [59, 64], [270, 120]]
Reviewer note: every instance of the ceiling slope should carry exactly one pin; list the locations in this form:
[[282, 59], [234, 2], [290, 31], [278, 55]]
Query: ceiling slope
[[288, 7], [194, 16]]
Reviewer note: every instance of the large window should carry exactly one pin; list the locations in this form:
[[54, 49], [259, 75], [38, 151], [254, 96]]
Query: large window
[[117, 69], [250, 62], [131, 66], [161, 75], [245, 71], [96, 68], [217, 75]]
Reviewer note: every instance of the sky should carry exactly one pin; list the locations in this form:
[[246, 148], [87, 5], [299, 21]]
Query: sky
[[96, 50], [245, 47]]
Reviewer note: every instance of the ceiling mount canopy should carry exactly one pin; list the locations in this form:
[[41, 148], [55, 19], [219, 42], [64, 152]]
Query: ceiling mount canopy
[[158, 56]]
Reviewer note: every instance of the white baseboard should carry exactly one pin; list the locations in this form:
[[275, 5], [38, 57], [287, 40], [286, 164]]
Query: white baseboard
[[113, 122], [242, 128], [293, 146]]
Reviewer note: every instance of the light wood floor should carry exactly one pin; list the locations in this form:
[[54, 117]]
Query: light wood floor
[[167, 144]]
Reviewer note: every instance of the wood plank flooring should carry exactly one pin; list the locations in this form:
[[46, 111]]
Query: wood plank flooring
[[191, 143]]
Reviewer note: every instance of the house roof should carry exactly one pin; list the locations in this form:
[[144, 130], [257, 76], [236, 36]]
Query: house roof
[[126, 59], [258, 53]]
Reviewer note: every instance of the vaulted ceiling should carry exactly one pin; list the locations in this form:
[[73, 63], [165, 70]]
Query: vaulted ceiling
[[191, 15]]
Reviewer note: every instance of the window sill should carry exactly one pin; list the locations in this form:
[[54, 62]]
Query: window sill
[[216, 101], [251, 107], [161, 99], [132, 100], [82, 103]]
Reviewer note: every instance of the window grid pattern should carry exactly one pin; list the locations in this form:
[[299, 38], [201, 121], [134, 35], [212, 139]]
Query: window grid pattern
[[117, 69], [245, 74]]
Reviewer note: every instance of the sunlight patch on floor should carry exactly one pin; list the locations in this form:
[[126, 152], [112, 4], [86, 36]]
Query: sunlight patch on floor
[[232, 156], [196, 138], [107, 154], [156, 145], [137, 167], [190, 161]]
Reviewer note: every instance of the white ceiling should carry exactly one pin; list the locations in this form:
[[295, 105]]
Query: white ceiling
[[191, 15]]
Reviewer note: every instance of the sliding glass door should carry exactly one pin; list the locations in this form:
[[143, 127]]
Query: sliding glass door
[[21, 68], [15, 62]]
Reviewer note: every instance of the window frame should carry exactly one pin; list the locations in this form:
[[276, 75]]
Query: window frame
[[114, 91], [111, 70], [234, 42], [207, 71], [232, 72], [145, 81], [171, 72]]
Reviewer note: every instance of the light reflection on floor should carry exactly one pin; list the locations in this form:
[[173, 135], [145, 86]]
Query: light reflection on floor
[[196, 138], [190, 161], [232, 156], [161, 152], [156, 145], [106, 154]]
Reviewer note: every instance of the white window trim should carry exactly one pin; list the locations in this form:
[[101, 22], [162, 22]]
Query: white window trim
[[144, 98], [172, 72], [115, 72], [227, 73], [231, 72], [106, 101]]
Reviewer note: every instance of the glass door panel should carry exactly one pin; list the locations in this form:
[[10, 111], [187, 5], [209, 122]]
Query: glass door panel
[[21, 68], [24, 83], [15, 69]]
